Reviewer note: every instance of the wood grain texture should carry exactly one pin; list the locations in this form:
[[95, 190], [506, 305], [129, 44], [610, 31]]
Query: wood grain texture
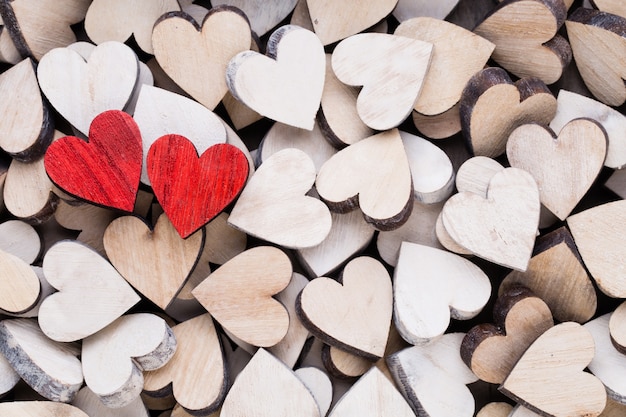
[[104, 170], [189, 52], [475, 174], [26, 127], [19, 286], [492, 106], [446, 240], [273, 205], [440, 126], [39, 408], [540, 52], [391, 69], [91, 405], [267, 386], [457, 55], [611, 6], [80, 89], [92, 294], [374, 175], [263, 15], [194, 189], [433, 377], [28, 192], [557, 275], [91, 221], [118, 20], [549, 377], [52, 369], [593, 33], [564, 164], [353, 315], [239, 295], [196, 374], [344, 365], [430, 287], [571, 106]]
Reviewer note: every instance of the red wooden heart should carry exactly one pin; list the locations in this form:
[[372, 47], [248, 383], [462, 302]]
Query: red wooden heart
[[193, 190], [106, 169]]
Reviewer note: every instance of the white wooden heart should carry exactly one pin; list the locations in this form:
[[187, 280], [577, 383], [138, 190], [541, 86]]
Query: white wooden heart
[[262, 14]]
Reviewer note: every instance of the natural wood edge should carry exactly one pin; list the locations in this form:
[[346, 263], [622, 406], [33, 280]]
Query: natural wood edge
[[557, 8], [599, 19], [505, 303], [474, 337], [15, 33], [328, 132], [560, 235]]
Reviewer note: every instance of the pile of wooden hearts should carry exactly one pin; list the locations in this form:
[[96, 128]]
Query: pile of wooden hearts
[[158, 258]]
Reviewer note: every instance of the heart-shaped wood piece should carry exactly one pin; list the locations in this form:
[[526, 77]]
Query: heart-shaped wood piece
[[374, 174], [114, 358], [92, 294], [39, 408], [492, 106], [333, 21], [549, 376], [155, 262], [286, 85], [196, 375], [91, 404], [19, 285], [273, 205], [28, 191], [432, 285], [591, 32], [80, 89], [528, 28], [193, 190], [611, 6], [501, 227], [105, 170], [391, 70], [409, 9], [491, 350], [267, 387], [617, 328], [239, 295], [564, 166], [353, 315], [189, 53], [263, 15]]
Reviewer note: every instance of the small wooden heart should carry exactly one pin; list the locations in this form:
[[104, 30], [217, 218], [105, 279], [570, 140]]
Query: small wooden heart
[[19, 285], [106, 169], [354, 314], [28, 191], [194, 189]]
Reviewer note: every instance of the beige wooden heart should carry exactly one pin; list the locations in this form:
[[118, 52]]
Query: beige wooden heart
[[354, 314], [91, 404], [611, 6], [239, 295], [549, 377], [19, 285], [286, 85], [564, 166], [501, 227], [273, 205], [262, 14], [157, 262], [196, 58]]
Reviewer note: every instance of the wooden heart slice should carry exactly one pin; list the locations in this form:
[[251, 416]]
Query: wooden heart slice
[[286, 85], [528, 29], [611, 6], [319, 384], [92, 294], [155, 262], [81, 89], [457, 55], [353, 315], [160, 112], [333, 21], [432, 285], [273, 205], [190, 54], [91, 222], [374, 174], [196, 375], [263, 15], [39, 408], [21, 240], [391, 70], [549, 377], [501, 227], [104, 170], [592, 32], [19, 285], [26, 127], [492, 106], [239, 295], [118, 20], [114, 358], [433, 377], [28, 191], [598, 234], [564, 166], [491, 350], [193, 190], [440, 126], [91, 404], [267, 387], [50, 368]]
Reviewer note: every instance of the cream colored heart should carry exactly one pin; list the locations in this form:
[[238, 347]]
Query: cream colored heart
[[286, 85], [500, 228], [19, 285], [196, 58], [273, 205], [391, 70]]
